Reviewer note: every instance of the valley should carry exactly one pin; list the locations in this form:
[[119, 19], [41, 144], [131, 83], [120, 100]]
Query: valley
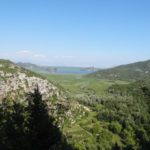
[[110, 107], [75, 75], [92, 113]]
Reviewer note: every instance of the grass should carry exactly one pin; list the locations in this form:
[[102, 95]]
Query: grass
[[78, 84]]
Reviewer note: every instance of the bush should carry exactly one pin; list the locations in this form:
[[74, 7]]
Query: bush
[[115, 127]]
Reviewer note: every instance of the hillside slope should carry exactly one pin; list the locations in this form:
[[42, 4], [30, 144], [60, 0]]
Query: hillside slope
[[134, 71], [15, 80], [37, 68]]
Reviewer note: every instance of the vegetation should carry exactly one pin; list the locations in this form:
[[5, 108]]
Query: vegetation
[[29, 127], [130, 72], [78, 85], [118, 116], [95, 113]]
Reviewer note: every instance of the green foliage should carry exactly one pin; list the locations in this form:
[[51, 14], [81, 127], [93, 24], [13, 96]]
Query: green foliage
[[119, 114], [43, 134], [130, 72], [79, 87], [127, 112], [29, 127], [115, 127], [105, 140]]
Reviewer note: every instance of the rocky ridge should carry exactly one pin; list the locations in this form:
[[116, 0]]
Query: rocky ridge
[[14, 80]]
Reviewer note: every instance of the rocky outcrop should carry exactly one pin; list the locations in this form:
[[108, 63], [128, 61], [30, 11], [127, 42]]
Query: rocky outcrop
[[12, 82]]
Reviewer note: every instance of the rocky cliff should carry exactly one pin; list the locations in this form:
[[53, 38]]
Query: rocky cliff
[[15, 80]]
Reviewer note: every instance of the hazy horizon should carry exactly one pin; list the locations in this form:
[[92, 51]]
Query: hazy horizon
[[82, 33], [46, 65]]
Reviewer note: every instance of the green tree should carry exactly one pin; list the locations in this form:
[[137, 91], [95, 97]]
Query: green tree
[[115, 127], [29, 127], [43, 134], [12, 128]]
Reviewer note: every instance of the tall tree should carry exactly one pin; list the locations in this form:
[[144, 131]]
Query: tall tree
[[29, 127], [43, 133]]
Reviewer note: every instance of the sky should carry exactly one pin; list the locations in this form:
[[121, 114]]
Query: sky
[[100, 33]]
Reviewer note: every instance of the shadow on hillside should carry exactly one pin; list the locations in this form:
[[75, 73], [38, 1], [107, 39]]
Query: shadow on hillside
[[29, 127]]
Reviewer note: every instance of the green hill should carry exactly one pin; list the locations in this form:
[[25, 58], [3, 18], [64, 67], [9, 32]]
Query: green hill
[[134, 71]]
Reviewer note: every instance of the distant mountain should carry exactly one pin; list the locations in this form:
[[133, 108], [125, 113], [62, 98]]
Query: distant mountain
[[133, 71], [57, 69]]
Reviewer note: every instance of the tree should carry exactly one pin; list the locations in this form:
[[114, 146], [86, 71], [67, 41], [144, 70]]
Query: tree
[[29, 127], [43, 133], [12, 127]]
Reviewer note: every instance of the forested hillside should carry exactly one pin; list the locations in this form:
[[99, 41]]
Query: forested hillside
[[118, 114], [130, 72]]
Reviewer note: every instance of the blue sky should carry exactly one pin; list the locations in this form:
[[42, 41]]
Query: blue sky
[[101, 33]]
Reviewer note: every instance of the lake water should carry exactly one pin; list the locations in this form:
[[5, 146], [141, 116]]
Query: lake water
[[72, 70]]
